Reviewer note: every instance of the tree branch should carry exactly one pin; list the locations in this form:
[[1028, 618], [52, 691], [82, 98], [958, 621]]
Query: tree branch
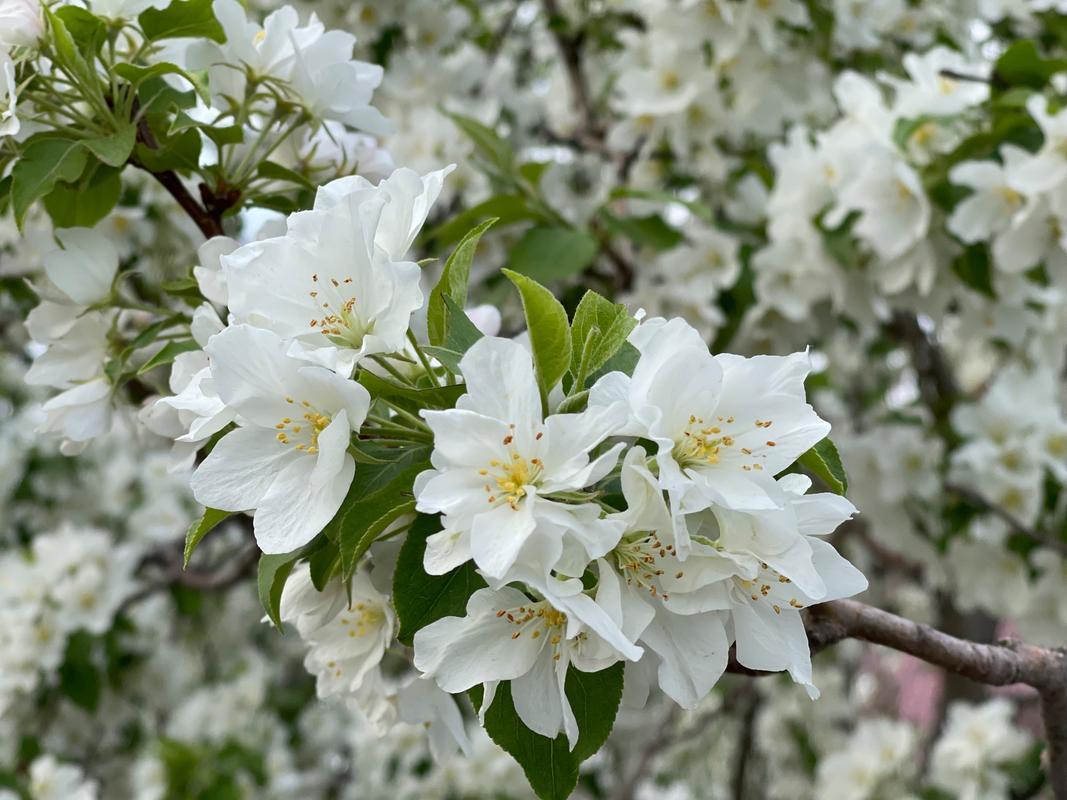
[[570, 49], [1002, 664], [209, 219], [937, 384]]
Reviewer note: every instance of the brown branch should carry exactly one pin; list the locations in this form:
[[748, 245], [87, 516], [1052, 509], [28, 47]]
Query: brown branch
[[745, 746], [570, 49], [937, 385], [1017, 526], [209, 219], [1002, 664], [659, 741]]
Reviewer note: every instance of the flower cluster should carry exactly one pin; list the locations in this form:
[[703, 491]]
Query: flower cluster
[[581, 525]]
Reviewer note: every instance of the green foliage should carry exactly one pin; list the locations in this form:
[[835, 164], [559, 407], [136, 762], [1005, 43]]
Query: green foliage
[[85, 28], [1022, 65], [460, 335], [432, 397], [274, 571], [490, 150], [550, 336], [182, 18], [550, 765], [179, 152], [553, 253], [167, 353], [974, 268], [419, 598], [209, 771], [505, 208], [41, 166], [80, 678], [599, 329], [453, 283], [201, 528], [824, 462], [380, 494], [650, 231], [86, 201]]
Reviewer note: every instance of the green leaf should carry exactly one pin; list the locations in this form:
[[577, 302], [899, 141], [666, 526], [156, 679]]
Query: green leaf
[[44, 162], [179, 152], [114, 148], [549, 764], [1022, 65], [67, 54], [489, 147], [87, 201], [549, 254], [611, 322], [453, 282], [449, 358], [419, 598], [156, 96], [323, 561], [80, 678], [507, 208], [182, 18], [379, 495], [650, 231], [137, 74], [550, 335], [276, 172], [87, 30], [824, 462], [167, 353], [973, 267], [274, 571], [201, 528], [435, 397], [462, 333]]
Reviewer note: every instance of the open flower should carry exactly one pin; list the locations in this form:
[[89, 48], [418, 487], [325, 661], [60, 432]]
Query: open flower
[[347, 630], [288, 459], [506, 636], [637, 581], [781, 567], [504, 476], [317, 63], [330, 284], [723, 424]]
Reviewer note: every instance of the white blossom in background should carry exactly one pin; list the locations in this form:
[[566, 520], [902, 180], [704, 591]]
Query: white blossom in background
[[977, 740]]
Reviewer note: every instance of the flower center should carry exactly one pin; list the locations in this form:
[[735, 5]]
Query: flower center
[[339, 321], [508, 479], [768, 585], [366, 619], [638, 560], [701, 442], [303, 433], [537, 620]]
